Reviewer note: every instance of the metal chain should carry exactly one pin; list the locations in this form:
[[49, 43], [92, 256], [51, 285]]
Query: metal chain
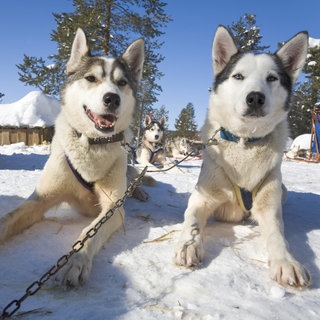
[[210, 142], [175, 164], [14, 305], [213, 141]]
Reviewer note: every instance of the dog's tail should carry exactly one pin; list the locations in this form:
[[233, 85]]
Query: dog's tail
[[133, 172]]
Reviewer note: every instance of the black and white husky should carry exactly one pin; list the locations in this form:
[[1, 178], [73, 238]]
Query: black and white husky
[[87, 165], [246, 126], [152, 151]]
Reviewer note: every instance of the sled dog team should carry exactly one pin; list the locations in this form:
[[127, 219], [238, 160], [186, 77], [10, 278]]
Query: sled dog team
[[246, 120]]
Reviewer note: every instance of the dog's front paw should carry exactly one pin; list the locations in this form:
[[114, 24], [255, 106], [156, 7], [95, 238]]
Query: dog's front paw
[[76, 271], [289, 273], [189, 253], [140, 194]]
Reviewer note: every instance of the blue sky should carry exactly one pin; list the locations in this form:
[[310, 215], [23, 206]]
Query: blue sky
[[25, 26]]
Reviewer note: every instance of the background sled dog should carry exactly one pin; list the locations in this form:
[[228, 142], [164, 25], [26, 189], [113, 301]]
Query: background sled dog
[[152, 151], [178, 147], [247, 119], [87, 165]]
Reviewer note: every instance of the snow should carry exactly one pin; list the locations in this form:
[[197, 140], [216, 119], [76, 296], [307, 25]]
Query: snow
[[34, 110], [301, 142], [314, 42], [133, 276]]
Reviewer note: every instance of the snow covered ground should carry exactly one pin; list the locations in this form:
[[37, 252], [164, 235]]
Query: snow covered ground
[[133, 277]]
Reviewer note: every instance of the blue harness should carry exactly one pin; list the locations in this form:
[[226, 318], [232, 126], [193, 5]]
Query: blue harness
[[154, 152]]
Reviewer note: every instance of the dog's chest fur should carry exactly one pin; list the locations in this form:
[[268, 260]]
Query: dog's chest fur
[[93, 162], [247, 164]]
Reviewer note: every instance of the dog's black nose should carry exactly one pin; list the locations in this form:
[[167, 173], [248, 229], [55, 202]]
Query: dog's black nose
[[255, 99], [156, 137], [111, 100]]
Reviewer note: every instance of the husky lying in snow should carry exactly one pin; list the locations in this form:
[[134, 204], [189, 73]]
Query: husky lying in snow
[[152, 151], [178, 147], [87, 165], [247, 123]]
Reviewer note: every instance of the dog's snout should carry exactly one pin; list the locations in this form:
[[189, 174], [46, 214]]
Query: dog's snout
[[255, 99], [111, 100], [156, 136]]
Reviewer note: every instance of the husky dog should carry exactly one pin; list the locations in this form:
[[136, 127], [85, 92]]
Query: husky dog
[[246, 132], [177, 147], [87, 164], [152, 151]]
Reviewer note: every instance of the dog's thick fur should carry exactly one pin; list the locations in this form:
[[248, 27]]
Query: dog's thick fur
[[98, 102], [250, 101]]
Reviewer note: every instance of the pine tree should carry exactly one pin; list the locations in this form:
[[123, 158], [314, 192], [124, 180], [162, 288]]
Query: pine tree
[[307, 95], [158, 113], [1, 96], [246, 34], [185, 123], [111, 26]]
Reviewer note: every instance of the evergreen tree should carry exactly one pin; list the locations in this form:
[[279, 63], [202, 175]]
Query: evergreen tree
[[246, 34], [185, 123], [307, 95], [157, 114], [1, 96], [111, 26]]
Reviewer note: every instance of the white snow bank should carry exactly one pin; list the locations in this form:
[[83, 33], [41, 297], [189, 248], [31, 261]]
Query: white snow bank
[[314, 42], [301, 142], [34, 110]]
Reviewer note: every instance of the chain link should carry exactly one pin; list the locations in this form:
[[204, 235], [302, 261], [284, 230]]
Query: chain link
[[212, 141], [14, 305]]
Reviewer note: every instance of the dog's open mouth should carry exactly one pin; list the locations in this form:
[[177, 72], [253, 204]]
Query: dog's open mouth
[[104, 123]]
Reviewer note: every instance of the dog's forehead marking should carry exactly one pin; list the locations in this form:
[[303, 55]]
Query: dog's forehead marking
[[260, 63], [249, 64], [117, 73], [100, 66]]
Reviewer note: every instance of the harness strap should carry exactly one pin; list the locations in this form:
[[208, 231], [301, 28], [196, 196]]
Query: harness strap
[[246, 198], [154, 152], [88, 185]]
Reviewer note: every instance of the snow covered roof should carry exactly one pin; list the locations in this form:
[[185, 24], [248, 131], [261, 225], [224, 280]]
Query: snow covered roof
[[314, 42], [34, 110]]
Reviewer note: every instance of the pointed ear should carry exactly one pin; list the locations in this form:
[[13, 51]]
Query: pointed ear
[[147, 121], [223, 48], [163, 120], [134, 57], [79, 49], [293, 54]]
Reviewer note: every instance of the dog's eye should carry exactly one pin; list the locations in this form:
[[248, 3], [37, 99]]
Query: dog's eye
[[271, 78], [91, 78], [122, 83], [238, 76]]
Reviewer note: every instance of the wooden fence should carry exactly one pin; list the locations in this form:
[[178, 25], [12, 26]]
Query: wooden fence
[[30, 136]]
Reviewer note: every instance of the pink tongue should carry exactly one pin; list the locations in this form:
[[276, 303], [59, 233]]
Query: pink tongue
[[105, 121]]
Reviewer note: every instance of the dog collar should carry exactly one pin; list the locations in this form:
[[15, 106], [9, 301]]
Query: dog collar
[[227, 135], [103, 140]]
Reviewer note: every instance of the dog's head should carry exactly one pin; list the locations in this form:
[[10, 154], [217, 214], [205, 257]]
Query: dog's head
[[153, 130], [184, 146], [252, 91], [99, 96]]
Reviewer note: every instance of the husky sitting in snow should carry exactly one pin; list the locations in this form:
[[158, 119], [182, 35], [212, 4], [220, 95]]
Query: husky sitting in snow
[[152, 152]]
